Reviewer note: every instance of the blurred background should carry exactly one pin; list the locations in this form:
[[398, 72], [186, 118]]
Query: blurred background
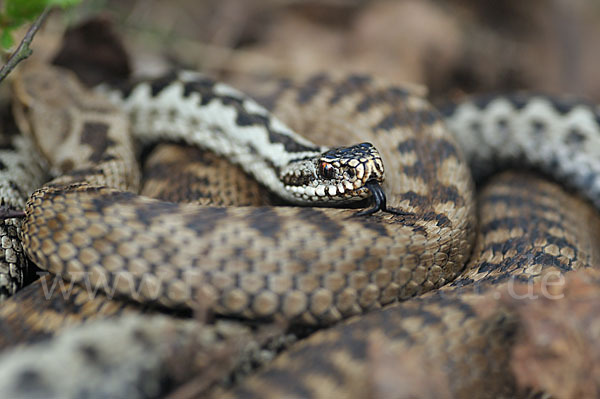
[[451, 47]]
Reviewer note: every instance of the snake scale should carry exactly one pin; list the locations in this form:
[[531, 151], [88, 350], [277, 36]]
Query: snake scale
[[308, 265], [21, 172], [245, 261]]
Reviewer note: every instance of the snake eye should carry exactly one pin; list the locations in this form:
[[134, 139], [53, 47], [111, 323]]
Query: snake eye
[[326, 170], [351, 173]]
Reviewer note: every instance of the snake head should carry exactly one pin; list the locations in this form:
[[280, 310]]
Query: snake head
[[337, 175]]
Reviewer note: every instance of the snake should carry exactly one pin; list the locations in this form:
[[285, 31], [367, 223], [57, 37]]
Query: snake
[[183, 255], [21, 172], [459, 341], [310, 265]]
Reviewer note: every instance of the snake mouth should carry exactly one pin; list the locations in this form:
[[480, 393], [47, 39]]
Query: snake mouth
[[329, 192], [307, 180]]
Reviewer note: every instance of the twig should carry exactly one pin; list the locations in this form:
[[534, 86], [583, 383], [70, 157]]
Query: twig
[[6, 213], [23, 51]]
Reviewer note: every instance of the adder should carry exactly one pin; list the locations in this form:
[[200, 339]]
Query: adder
[[308, 265]]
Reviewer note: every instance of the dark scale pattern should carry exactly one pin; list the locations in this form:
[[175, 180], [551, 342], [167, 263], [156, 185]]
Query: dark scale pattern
[[539, 237], [129, 356], [244, 118], [311, 88], [95, 135], [383, 96], [202, 178], [342, 355], [265, 262], [352, 84], [461, 336]]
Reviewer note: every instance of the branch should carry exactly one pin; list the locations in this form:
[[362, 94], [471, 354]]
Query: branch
[[6, 213], [23, 51]]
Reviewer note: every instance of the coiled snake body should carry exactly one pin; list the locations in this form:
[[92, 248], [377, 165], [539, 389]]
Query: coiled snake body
[[312, 265], [316, 265]]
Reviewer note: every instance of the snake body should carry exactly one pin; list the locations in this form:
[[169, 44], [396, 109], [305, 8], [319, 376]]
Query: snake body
[[318, 265], [21, 172], [556, 136], [456, 342], [233, 125], [307, 264], [134, 356]]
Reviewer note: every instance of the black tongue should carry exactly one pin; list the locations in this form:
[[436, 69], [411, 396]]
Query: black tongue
[[379, 200]]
